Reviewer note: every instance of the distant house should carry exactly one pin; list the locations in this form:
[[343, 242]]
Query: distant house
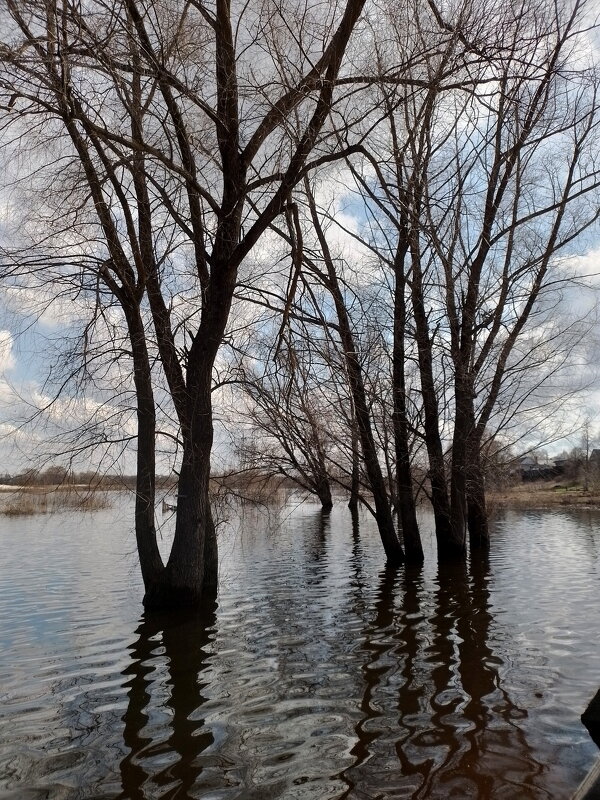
[[528, 463], [531, 470]]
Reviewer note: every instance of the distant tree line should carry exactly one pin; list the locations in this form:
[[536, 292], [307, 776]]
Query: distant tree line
[[62, 476]]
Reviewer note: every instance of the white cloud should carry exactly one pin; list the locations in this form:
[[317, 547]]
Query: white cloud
[[586, 265], [7, 360], [49, 310]]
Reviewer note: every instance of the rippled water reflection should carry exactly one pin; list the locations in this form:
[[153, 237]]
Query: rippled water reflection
[[318, 674]]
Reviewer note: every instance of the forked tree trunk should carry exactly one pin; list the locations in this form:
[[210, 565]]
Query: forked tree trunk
[[190, 576]]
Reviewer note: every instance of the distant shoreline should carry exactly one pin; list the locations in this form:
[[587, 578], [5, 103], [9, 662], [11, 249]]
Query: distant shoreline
[[530, 495], [547, 494]]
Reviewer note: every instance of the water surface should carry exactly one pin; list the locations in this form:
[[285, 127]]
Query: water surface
[[317, 675]]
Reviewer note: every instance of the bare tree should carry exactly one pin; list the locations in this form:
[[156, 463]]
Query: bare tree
[[477, 184], [283, 408], [172, 118], [330, 278]]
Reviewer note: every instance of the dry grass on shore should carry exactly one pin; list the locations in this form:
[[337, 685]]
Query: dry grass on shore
[[34, 500], [546, 494]]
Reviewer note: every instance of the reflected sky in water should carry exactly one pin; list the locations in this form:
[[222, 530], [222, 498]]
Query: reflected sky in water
[[318, 674]]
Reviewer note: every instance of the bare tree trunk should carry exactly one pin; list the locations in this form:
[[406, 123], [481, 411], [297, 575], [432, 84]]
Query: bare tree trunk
[[192, 570], [324, 494], [383, 512], [433, 442], [456, 544], [406, 500], [322, 483], [145, 531], [355, 473], [479, 536], [189, 571]]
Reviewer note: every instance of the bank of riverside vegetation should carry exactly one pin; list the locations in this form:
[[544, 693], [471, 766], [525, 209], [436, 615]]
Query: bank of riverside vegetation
[[343, 233]]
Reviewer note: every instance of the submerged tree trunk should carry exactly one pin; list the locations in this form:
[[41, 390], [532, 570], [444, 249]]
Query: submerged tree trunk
[[323, 489], [190, 575], [321, 482], [406, 499], [479, 536], [433, 441], [355, 468], [383, 511], [458, 478], [145, 495]]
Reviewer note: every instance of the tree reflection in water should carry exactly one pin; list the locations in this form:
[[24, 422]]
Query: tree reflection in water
[[326, 677], [433, 694], [351, 689], [168, 658]]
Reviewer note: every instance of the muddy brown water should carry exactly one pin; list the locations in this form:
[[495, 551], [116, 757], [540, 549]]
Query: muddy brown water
[[318, 675]]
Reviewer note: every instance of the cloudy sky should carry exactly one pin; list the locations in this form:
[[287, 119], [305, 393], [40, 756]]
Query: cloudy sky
[[31, 338], [32, 331]]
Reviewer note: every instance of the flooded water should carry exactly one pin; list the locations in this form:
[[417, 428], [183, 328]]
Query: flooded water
[[318, 675]]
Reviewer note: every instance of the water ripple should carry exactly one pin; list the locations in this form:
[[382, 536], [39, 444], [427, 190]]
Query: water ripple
[[318, 675]]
